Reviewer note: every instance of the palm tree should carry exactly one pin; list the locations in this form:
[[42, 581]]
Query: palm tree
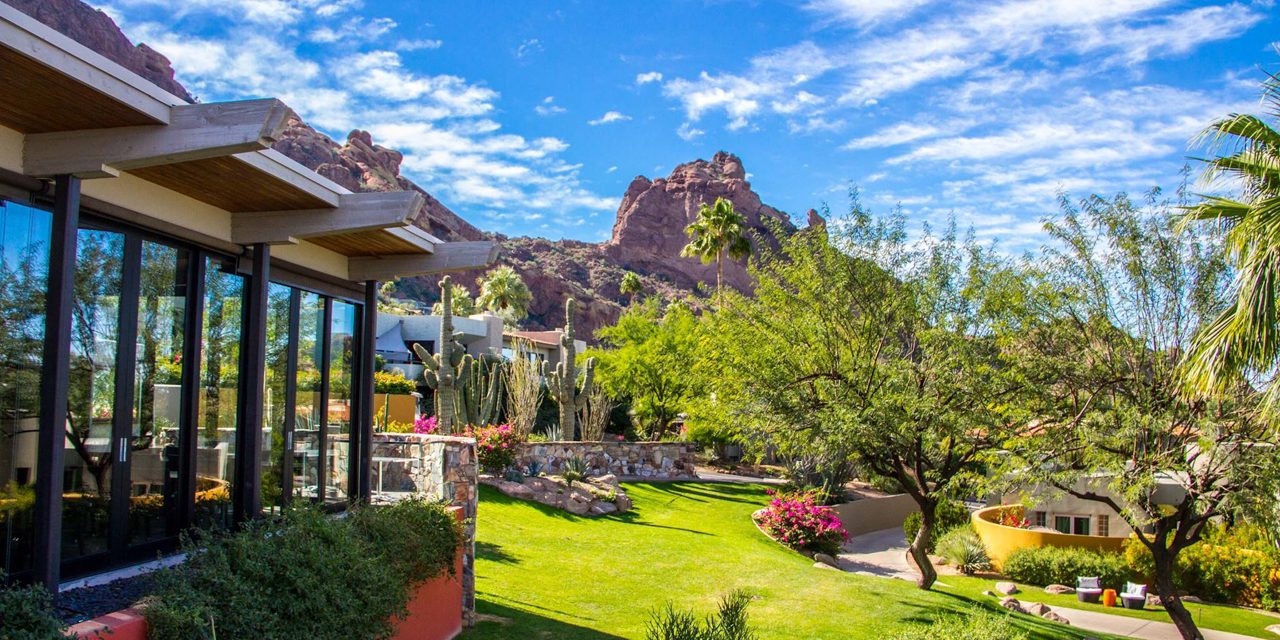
[[1245, 338], [463, 305], [503, 291], [631, 285], [717, 231]]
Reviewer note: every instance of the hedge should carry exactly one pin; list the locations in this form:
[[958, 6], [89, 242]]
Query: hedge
[[1230, 567], [26, 613], [1062, 565]]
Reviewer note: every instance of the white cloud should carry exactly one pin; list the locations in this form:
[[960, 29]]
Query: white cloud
[[646, 78], [354, 30], [549, 107], [863, 12], [900, 133], [528, 47], [610, 116], [688, 132], [417, 45], [611, 169]]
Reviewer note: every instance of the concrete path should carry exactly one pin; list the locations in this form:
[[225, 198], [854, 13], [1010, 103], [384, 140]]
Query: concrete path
[[879, 553], [709, 475], [1133, 627]]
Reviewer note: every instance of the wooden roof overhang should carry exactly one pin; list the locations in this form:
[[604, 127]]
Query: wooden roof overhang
[[84, 115]]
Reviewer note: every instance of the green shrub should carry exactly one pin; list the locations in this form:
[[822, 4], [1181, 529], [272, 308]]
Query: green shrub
[[964, 550], [1062, 565], [976, 625], [305, 575], [951, 514], [729, 623], [393, 383], [1231, 566], [26, 613]]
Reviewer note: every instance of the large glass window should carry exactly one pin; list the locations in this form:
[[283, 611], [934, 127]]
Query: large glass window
[[91, 394], [155, 488], [219, 382], [276, 401], [24, 263], [308, 412], [342, 353]]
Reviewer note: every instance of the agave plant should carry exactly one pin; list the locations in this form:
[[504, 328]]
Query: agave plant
[[575, 470]]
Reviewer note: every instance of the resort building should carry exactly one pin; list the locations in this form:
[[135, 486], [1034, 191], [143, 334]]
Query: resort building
[[186, 316]]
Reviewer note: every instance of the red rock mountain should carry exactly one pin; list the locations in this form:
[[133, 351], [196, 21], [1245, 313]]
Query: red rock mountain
[[647, 236]]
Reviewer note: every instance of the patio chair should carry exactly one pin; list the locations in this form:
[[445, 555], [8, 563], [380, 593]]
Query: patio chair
[[1134, 596], [1088, 589]]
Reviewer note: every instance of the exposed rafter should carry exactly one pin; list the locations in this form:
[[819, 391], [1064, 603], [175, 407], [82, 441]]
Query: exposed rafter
[[194, 132], [449, 256], [355, 212]]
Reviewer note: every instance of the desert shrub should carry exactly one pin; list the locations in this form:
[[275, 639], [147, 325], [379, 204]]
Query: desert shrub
[[1231, 566], [393, 383], [964, 550], [305, 575], [799, 521], [496, 446], [728, 623], [575, 470], [26, 613], [950, 514], [977, 625], [1062, 565]]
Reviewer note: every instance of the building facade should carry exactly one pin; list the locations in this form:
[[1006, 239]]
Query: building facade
[[188, 330]]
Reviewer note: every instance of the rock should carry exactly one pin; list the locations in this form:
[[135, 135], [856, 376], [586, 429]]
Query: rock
[[577, 507], [515, 489], [1275, 628], [823, 565], [1153, 600], [1059, 589], [826, 559], [1053, 617], [1007, 588], [989, 592], [1011, 604], [602, 508], [1191, 599], [1036, 609]]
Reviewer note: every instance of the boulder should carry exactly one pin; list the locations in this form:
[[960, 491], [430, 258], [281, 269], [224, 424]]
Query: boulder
[[602, 508], [1011, 604], [989, 592], [1007, 588], [1275, 628], [515, 490], [1053, 617], [1036, 609], [823, 565], [826, 559], [577, 507], [1059, 589], [1153, 600], [1191, 599]]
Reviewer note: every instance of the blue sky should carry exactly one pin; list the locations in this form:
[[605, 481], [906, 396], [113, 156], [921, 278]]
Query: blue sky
[[531, 117]]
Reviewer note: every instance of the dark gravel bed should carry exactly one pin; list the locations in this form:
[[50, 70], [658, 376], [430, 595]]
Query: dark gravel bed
[[87, 603]]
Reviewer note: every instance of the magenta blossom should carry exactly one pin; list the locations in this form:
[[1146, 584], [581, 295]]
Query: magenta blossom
[[798, 521], [425, 425]]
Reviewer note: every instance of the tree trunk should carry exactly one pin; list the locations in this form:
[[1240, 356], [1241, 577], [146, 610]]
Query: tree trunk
[[1177, 611], [719, 287], [919, 549]]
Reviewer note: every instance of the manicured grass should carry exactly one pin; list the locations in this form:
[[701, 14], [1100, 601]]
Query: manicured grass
[[553, 575], [1208, 616]]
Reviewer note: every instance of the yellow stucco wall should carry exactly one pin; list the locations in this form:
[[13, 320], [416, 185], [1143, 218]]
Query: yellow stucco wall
[[1002, 540]]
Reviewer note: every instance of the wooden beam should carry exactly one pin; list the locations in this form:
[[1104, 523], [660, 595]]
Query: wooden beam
[[355, 212], [284, 168], [194, 132], [450, 256]]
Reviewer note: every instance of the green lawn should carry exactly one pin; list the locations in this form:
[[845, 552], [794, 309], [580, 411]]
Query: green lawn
[[1208, 616], [549, 574]]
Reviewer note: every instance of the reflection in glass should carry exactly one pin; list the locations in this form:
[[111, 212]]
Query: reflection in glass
[[153, 462], [273, 444], [342, 360], [219, 378], [24, 263], [308, 413], [91, 393]]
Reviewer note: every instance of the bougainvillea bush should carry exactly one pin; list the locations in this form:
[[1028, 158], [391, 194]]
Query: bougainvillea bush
[[425, 425], [496, 446], [800, 522]]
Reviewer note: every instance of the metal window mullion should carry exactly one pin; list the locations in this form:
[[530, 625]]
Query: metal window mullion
[[326, 353], [189, 421], [125, 386], [290, 396], [362, 435], [253, 356]]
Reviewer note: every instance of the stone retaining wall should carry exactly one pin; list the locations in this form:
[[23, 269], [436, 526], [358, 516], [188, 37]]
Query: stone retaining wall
[[648, 460], [442, 468]]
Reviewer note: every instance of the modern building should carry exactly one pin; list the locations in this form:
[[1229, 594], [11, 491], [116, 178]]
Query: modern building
[[185, 334], [1064, 513]]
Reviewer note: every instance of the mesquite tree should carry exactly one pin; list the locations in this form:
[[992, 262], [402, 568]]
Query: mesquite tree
[[860, 347], [1117, 425]]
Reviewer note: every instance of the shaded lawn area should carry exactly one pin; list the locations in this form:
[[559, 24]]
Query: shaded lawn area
[[549, 574], [1207, 616]]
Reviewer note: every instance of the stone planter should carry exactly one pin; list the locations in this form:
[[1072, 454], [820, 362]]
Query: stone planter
[[631, 460], [591, 497]]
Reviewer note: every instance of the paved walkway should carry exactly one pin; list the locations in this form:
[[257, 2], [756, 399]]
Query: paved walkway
[[710, 475], [1133, 627], [879, 553]]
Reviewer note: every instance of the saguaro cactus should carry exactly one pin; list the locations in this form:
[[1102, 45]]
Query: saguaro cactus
[[563, 380], [442, 369], [478, 393]]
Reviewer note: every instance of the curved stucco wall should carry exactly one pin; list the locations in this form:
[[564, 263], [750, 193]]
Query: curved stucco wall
[[875, 514], [1002, 540]]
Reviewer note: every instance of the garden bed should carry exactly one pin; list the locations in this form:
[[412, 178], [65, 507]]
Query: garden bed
[[597, 496]]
